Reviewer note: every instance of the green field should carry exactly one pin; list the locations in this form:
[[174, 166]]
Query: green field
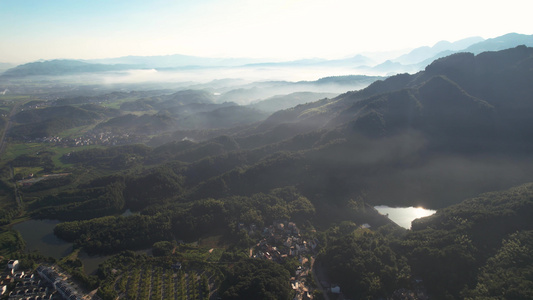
[[76, 131], [14, 97], [16, 149], [25, 171], [116, 103]]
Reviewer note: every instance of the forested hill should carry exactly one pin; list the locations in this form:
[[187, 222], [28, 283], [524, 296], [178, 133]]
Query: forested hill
[[462, 96], [432, 138], [49, 121], [478, 249]]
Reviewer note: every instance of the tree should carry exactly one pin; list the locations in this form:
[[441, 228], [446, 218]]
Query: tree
[[256, 279]]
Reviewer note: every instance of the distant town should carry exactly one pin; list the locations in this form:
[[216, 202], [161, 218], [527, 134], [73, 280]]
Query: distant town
[[103, 138]]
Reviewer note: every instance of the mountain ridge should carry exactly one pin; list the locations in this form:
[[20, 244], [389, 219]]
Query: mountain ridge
[[466, 74], [413, 61], [423, 53], [61, 67]]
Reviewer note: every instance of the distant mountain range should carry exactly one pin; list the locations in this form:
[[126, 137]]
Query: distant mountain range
[[507, 41], [328, 86], [422, 53], [421, 57], [276, 103], [357, 60], [62, 67], [5, 66], [413, 61], [175, 61], [492, 88]]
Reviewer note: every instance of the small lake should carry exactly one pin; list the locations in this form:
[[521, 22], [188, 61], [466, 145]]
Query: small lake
[[403, 216], [39, 235]]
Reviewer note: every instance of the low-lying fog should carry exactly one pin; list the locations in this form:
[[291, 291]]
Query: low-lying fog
[[242, 85], [250, 74]]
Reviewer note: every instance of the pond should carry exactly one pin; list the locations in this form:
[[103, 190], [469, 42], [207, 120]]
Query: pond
[[39, 236], [403, 216]]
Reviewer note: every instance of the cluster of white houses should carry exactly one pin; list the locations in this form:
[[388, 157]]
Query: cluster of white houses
[[22, 285], [58, 283], [102, 138], [46, 284]]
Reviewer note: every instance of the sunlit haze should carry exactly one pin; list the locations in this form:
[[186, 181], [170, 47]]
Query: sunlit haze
[[276, 29]]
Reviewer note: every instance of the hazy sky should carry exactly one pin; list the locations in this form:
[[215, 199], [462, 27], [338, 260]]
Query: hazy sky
[[276, 29]]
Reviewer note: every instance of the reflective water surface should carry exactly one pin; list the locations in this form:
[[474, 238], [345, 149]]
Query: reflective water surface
[[403, 216]]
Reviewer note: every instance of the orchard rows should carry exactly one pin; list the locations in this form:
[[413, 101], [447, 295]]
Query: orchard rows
[[165, 284]]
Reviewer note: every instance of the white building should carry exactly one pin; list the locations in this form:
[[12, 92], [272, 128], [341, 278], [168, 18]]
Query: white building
[[13, 265]]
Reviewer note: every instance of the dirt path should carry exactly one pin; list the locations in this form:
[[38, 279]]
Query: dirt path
[[317, 275]]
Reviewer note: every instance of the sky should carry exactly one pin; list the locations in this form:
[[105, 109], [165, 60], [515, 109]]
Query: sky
[[274, 29]]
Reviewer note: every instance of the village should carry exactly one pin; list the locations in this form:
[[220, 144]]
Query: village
[[102, 138], [46, 282], [281, 241]]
